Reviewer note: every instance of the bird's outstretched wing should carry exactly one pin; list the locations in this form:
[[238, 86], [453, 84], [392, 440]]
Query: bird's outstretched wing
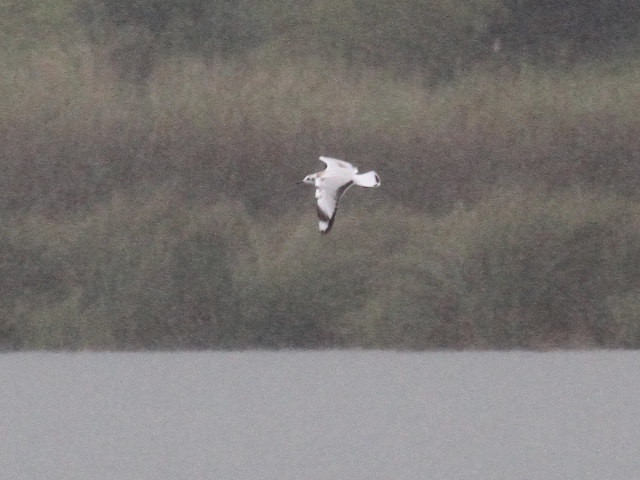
[[335, 164], [328, 194]]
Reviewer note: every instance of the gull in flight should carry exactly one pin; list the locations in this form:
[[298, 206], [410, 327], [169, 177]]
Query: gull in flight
[[331, 185]]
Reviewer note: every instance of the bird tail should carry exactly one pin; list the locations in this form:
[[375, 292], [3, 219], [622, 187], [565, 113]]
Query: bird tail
[[369, 179]]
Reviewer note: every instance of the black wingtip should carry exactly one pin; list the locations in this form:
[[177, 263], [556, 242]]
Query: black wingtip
[[323, 217]]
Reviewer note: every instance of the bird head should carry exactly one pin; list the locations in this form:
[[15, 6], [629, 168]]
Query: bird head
[[311, 179]]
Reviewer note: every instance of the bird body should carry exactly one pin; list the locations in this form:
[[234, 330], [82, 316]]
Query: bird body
[[332, 183]]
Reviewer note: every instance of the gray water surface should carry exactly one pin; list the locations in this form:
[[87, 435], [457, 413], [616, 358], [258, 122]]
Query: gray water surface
[[320, 415]]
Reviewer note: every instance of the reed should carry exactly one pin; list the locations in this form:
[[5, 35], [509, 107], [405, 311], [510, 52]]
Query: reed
[[165, 213]]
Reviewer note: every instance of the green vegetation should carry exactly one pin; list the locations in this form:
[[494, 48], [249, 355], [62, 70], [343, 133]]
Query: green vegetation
[[149, 198]]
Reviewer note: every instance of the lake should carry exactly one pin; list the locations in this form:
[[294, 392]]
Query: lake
[[320, 415]]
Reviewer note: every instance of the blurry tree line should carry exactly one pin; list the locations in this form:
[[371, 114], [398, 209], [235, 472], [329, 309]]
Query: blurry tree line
[[166, 214], [444, 36]]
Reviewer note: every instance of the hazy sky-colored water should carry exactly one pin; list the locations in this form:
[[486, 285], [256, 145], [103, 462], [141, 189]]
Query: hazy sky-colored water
[[320, 415]]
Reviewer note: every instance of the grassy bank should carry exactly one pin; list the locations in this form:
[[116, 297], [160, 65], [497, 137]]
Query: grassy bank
[[516, 270], [165, 213], [72, 133]]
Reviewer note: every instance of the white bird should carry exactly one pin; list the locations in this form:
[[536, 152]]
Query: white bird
[[331, 185]]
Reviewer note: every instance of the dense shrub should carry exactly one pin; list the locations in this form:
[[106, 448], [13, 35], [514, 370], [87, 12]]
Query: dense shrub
[[131, 274], [72, 135], [442, 36], [165, 213], [568, 31], [519, 270]]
